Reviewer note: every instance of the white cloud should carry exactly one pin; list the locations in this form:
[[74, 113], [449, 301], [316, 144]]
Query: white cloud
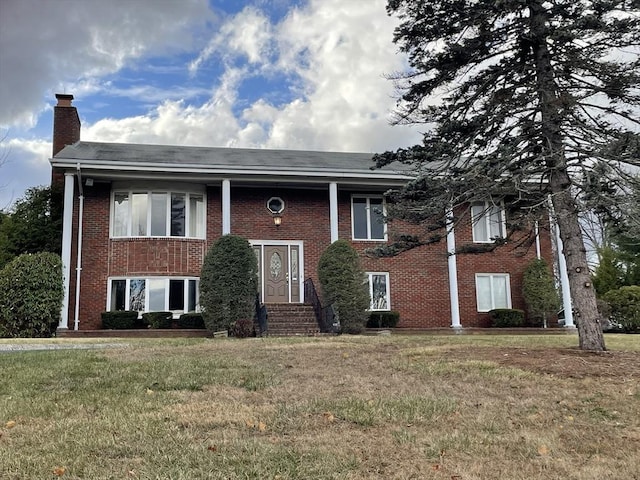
[[65, 44]]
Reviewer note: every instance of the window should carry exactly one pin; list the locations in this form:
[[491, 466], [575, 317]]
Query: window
[[379, 290], [155, 294], [492, 291], [158, 214], [367, 216], [488, 221]]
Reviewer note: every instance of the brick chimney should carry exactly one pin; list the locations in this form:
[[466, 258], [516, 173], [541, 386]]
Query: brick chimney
[[66, 123]]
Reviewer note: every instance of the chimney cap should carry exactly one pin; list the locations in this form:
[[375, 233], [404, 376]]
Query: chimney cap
[[64, 99]]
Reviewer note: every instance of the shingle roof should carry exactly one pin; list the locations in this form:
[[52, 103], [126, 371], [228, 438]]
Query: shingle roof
[[127, 156]]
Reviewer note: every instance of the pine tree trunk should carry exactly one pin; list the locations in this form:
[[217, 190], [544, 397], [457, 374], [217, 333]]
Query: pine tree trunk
[[582, 292]]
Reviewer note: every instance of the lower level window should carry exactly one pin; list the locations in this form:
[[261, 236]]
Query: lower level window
[[379, 290], [154, 294], [492, 291]]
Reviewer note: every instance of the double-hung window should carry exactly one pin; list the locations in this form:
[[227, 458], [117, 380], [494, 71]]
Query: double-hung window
[[158, 214], [367, 217], [379, 290], [488, 221], [492, 291], [154, 294]]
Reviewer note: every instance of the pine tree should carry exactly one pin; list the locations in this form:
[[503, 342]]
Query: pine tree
[[522, 100]]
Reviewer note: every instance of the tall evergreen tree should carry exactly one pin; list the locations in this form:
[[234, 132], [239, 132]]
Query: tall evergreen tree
[[525, 99]]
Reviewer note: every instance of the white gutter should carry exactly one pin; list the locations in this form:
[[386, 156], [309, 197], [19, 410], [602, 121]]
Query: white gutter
[[76, 320], [453, 272]]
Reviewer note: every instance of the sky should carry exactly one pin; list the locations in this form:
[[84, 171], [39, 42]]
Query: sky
[[286, 74]]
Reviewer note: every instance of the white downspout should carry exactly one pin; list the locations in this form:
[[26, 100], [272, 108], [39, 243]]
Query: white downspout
[[537, 230], [333, 210], [226, 207], [67, 226], [76, 320], [453, 272], [567, 305]]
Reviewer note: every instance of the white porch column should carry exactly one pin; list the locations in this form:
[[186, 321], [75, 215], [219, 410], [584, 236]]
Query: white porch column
[[67, 224], [333, 210], [453, 272], [226, 207], [564, 281], [537, 230]]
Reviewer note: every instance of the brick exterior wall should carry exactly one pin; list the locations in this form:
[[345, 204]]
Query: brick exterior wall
[[419, 283]]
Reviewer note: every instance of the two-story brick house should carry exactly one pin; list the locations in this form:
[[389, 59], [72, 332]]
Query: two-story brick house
[[138, 220]]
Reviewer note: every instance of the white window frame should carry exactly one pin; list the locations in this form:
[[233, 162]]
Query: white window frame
[[368, 199], [166, 281], [388, 291], [486, 217], [491, 277], [201, 224]]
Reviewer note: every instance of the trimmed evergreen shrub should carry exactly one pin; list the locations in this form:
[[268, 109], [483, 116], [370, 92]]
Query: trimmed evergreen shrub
[[243, 328], [344, 284], [120, 320], [506, 317], [228, 283], [625, 307], [383, 319], [190, 320], [539, 292], [158, 319], [31, 292]]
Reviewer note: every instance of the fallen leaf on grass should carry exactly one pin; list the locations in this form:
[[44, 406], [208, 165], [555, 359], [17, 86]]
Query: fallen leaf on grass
[[345, 355], [212, 448], [262, 426], [149, 391], [59, 471], [543, 450], [435, 467], [10, 424], [328, 416]]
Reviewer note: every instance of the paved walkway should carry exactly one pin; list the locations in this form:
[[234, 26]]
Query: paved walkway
[[18, 347]]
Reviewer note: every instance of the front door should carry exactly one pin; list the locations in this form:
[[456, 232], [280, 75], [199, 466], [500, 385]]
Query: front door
[[276, 274]]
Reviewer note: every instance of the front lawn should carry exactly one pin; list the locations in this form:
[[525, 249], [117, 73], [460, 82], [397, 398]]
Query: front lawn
[[349, 407]]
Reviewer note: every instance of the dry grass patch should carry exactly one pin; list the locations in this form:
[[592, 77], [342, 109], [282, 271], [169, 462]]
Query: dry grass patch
[[480, 407]]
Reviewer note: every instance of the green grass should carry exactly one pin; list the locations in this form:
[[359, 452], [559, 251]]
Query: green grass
[[476, 407]]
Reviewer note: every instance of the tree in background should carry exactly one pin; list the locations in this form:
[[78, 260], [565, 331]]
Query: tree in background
[[539, 292], [32, 225], [608, 273], [343, 284], [228, 283], [526, 101]]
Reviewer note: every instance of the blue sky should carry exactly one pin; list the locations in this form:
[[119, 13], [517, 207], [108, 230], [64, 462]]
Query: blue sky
[[306, 74]]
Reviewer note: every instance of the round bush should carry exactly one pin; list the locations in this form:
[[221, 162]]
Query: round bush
[[228, 283], [158, 319], [344, 284], [506, 317], [120, 320], [190, 320], [625, 307], [31, 292]]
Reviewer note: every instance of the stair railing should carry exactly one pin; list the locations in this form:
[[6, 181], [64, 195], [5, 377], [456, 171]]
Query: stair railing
[[327, 317], [262, 317]]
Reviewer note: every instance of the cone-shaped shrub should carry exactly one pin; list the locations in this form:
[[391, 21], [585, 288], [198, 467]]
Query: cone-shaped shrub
[[228, 283], [539, 292], [344, 284]]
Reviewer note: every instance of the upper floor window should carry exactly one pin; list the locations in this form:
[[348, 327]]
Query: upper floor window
[[492, 291], [367, 218], [488, 221], [379, 290], [158, 214]]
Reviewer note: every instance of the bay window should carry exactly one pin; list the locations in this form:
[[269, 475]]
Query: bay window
[[154, 294]]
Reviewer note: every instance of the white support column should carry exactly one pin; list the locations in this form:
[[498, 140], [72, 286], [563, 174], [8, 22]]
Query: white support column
[[67, 226], [333, 210], [226, 207], [564, 282], [537, 230], [453, 272]]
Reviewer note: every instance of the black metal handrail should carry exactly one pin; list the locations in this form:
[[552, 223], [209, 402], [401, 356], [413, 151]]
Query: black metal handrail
[[327, 317], [262, 317]]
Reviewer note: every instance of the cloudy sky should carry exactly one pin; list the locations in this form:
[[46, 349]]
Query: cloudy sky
[[294, 74]]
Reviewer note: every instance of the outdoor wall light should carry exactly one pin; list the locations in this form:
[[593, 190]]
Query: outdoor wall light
[[277, 219], [276, 206]]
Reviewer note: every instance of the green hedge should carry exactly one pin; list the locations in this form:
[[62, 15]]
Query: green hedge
[[120, 320], [506, 317], [625, 307], [158, 319], [190, 320], [383, 319]]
